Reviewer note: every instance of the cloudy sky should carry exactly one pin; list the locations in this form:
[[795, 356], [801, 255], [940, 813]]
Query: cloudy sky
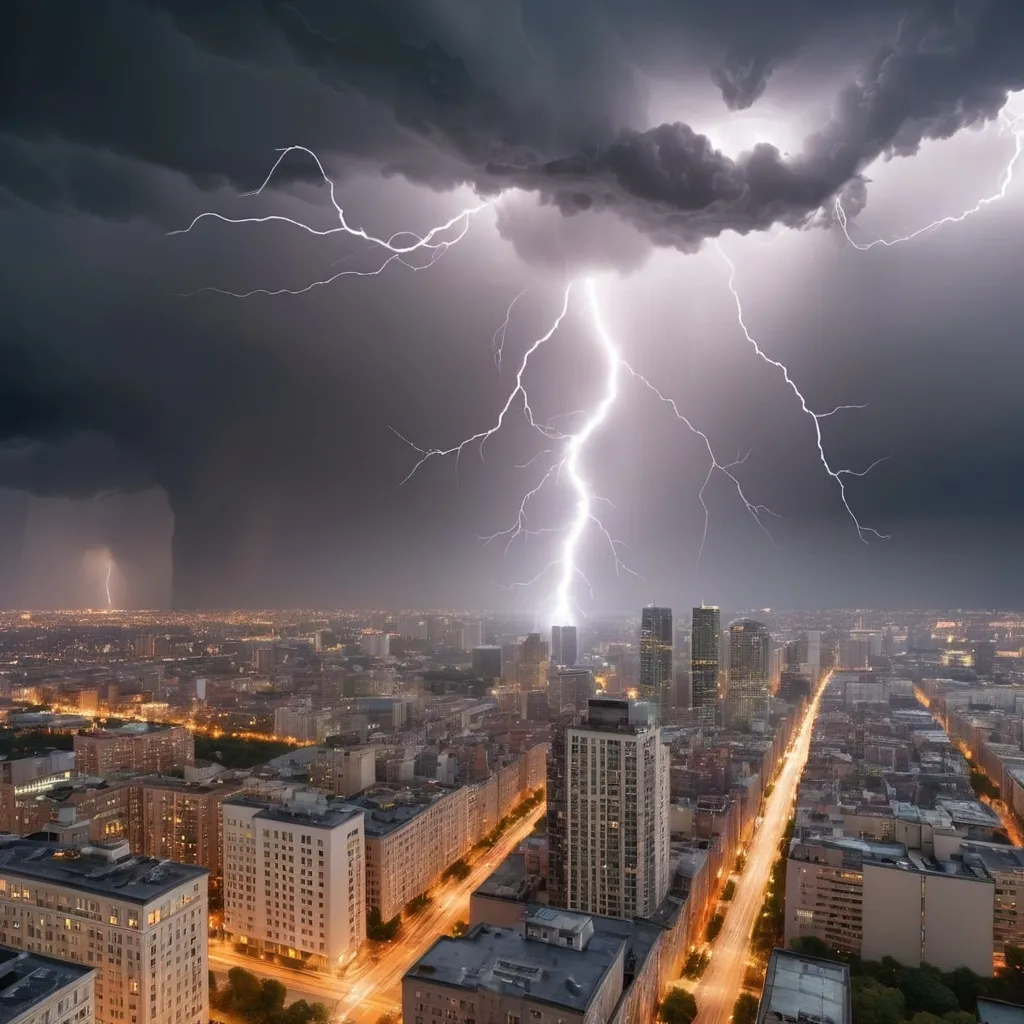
[[249, 451]]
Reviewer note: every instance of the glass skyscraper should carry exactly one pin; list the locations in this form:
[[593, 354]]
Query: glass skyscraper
[[705, 661], [656, 678]]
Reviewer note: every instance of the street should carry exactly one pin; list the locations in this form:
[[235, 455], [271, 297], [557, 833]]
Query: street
[[371, 987], [723, 980]]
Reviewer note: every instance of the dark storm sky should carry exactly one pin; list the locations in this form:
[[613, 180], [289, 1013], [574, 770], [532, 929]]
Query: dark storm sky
[[619, 137]]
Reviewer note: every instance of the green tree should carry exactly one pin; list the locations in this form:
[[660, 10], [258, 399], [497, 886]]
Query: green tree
[[678, 1007], [459, 929], [380, 930], [959, 1017], [728, 890], [811, 945], [696, 964], [272, 996], [245, 991], [417, 905], [874, 1003], [744, 1010], [714, 927], [926, 1018], [458, 869], [966, 986], [924, 992]]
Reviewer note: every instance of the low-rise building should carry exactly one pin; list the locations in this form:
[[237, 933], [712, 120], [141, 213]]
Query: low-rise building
[[37, 989], [804, 988], [343, 771]]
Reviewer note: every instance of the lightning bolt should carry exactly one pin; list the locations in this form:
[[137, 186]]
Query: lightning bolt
[[1009, 122], [433, 243], [839, 475], [106, 584], [568, 451]]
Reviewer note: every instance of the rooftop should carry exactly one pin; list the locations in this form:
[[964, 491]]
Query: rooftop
[[995, 1011], [96, 868], [803, 988], [28, 978], [503, 961], [318, 813]]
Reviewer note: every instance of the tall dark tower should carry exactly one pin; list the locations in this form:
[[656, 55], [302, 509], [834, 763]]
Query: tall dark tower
[[747, 697], [656, 679], [705, 661], [563, 645]]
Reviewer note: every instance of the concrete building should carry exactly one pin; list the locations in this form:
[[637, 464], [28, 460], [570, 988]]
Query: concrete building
[[303, 723], [747, 697], [40, 990], [705, 663], [471, 635], [486, 662], [343, 771], [531, 666], [804, 988], [564, 649], [136, 747], [294, 878], [375, 644], [141, 922], [879, 899], [608, 812]]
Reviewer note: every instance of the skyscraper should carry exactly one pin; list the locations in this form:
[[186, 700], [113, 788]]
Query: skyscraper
[[608, 806], [656, 680], [747, 695], [532, 663], [705, 658], [563, 645]]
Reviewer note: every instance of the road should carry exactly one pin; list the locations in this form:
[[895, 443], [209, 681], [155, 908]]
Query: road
[[723, 980], [371, 987]]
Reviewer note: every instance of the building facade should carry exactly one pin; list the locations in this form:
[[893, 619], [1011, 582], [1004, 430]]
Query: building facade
[[747, 696], [705, 663], [656, 672], [141, 923], [134, 747], [608, 812], [343, 771], [294, 879], [564, 650]]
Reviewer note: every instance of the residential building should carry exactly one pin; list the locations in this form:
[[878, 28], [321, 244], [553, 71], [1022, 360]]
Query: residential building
[[656, 673], [142, 923], [294, 878], [40, 990], [486, 662], [532, 663], [705, 663], [343, 771], [608, 812], [135, 747]]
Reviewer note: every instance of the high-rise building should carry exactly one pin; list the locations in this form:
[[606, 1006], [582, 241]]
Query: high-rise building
[[487, 662], [471, 635], [532, 663], [705, 662], [656, 678], [144, 920], [608, 805], [294, 879], [563, 645], [749, 665]]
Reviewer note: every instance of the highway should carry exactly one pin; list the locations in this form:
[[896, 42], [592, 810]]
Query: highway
[[723, 980], [372, 985]]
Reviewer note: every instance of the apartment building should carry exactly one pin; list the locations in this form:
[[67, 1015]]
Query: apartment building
[[608, 812], [411, 837], [136, 747], [139, 922], [343, 771], [295, 877], [40, 990], [22, 780], [303, 723], [880, 899]]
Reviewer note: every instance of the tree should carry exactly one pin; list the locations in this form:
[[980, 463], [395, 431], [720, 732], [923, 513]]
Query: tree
[[244, 994], [966, 986], [678, 1007], [714, 927], [459, 929], [380, 930], [874, 1003], [272, 996], [811, 945], [744, 1010], [924, 992], [741, 863], [417, 905], [696, 964], [729, 890], [960, 1017], [458, 869]]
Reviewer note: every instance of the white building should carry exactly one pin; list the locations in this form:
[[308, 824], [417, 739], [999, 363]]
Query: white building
[[141, 922], [609, 787], [295, 878], [41, 990], [472, 635], [303, 723], [376, 645]]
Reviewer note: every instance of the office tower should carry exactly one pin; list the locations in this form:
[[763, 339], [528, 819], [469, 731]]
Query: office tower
[[486, 661], [814, 654], [563, 645], [570, 690], [704, 662], [747, 695], [608, 801], [471, 635], [294, 879], [532, 663], [656, 679], [144, 920]]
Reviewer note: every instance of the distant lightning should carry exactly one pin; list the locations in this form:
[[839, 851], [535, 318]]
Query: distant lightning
[[106, 584], [838, 475], [1008, 122]]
